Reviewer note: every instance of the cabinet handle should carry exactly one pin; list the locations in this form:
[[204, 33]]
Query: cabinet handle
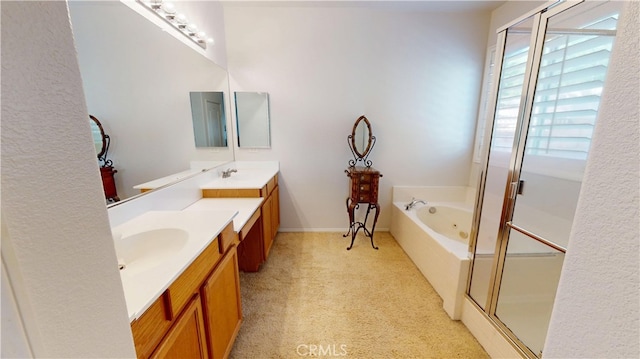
[[361, 187]]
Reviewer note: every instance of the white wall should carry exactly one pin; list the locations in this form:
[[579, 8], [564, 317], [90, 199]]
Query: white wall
[[137, 80], [415, 75], [596, 314], [208, 16], [56, 241]]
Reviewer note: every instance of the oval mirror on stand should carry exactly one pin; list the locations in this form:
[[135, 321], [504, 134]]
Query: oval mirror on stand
[[361, 142], [100, 139]]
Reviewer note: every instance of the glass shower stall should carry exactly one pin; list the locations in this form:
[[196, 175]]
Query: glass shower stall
[[550, 71]]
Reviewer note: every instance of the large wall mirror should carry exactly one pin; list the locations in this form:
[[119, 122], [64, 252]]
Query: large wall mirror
[[137, 80], [252, 119], [209, 119]]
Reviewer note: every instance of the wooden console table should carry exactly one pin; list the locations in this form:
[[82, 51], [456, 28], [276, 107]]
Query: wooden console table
[[364, 189]]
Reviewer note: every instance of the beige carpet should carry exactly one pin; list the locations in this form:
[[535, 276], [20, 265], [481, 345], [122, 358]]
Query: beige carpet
[[313, 298]]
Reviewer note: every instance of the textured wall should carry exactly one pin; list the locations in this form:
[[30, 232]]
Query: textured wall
[[596, 311], [56, 240]]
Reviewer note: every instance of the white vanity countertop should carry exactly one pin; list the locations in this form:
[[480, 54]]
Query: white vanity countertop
[[246, 207], [145, 280], [159, 182], [195, 167], [245, 178]]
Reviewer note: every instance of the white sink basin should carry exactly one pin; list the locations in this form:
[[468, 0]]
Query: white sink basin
[[149, 249]]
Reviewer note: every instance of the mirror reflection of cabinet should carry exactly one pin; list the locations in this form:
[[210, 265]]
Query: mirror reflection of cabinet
[[209, 119], [101, 142], [252, 119]]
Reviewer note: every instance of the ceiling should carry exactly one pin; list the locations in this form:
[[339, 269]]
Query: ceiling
[[406, 5]]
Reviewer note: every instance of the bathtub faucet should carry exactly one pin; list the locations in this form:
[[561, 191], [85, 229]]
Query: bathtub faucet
[[413, 202]]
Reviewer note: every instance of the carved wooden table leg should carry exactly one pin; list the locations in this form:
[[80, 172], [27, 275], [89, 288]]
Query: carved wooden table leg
[[375, 220]]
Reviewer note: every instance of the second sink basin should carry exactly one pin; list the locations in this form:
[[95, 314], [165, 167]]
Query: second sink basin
[[149, 249]]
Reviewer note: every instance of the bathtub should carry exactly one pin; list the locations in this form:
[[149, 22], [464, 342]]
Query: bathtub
[[453, 222], [435, 236]]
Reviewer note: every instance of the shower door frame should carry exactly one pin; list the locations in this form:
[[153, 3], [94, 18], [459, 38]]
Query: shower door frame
[[534, 57]]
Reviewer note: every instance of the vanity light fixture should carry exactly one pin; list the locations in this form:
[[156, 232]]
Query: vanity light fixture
[[167, 12]]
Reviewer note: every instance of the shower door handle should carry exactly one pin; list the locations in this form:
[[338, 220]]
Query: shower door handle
[[513, 190], [516, 188]]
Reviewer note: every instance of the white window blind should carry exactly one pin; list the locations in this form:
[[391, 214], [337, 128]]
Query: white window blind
[[570, 81], [506, 115]]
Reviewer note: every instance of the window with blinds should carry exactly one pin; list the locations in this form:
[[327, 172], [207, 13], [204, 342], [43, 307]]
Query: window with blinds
[[570, 81]]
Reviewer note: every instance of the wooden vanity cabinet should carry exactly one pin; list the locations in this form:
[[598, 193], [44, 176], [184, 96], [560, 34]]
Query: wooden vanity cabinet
[[270, 214], [149, 329], [267, 227], [199, 315], [251, 247], [275, 213], [223, 309], [186, 339], [269, 221]]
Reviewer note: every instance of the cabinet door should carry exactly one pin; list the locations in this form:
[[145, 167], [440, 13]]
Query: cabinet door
[[223, 311], [275, 211], [267, 226], [149, 329], [186, 339]]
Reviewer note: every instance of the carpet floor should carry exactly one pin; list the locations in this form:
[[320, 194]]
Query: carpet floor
[[313, 298]]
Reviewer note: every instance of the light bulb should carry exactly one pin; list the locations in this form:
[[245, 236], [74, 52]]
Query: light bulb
[[202, 34], [210, 40], [169, 8], [181, 19], [192, 27]]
